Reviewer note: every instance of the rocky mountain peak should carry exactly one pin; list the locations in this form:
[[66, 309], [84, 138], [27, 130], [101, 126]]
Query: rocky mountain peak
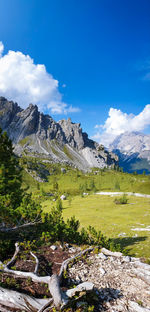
[[73, 133], [62, 141], [133, 150]]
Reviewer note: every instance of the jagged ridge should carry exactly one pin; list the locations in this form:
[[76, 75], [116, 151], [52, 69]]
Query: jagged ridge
[[33, 132]]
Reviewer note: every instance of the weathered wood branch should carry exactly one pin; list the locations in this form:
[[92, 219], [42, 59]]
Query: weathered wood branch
[[16, 229], [37, 262], [46, 305], [13, 259], [60, 298], [66, 262], [10, 299]]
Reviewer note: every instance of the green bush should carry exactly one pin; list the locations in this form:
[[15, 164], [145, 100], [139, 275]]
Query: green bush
[[122, 200]]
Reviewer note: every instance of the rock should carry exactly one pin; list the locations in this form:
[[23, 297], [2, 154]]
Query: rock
[[63, 197], [111, 253], [142, 265], [135, 307], [122, 235], [102, 271], [72, 250], [102, 256], [53, 247], [81, 287], [61, 142], [63, 170], [117, 281], [126, 259]]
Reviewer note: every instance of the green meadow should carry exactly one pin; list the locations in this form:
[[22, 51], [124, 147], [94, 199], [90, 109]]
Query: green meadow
[[116, 221]]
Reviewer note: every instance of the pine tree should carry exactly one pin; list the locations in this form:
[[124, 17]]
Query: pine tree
[[15, 205], [10, 178]]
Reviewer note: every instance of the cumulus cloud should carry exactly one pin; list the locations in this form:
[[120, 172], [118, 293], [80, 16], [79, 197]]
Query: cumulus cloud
[[1, 48], [119, 122], [25, 82]]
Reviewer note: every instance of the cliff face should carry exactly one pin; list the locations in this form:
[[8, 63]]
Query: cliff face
[[35, 133]]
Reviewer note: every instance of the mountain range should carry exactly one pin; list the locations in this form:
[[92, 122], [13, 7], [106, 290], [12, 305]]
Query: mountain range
[[36, 134], [133, 150]]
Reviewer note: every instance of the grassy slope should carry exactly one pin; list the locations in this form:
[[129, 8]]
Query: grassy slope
[[100, 211], [105, 181]]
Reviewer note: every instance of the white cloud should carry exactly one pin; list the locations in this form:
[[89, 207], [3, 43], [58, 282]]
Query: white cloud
[[72, 109], [119, 122], [25, 82], [1, 48], [98, 126]]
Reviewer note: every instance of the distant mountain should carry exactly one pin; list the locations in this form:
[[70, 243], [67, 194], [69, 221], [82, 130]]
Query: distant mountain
[[36, 134], [133, 150]]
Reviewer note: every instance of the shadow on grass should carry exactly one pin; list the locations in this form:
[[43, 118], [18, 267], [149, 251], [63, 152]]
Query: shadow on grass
[[127, 242]]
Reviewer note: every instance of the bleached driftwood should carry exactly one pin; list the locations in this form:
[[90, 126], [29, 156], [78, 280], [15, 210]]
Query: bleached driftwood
[[18, 228], [60, 299], [10, 299]]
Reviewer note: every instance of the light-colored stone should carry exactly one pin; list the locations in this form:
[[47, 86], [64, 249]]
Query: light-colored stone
[[63, 197], [102, 271], [126, 259], [63, 170], [111, 253], [102, 256], [135, 307], [53, 247]]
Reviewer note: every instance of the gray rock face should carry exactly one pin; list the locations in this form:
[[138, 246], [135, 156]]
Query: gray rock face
[[35, 133], [133, 150]]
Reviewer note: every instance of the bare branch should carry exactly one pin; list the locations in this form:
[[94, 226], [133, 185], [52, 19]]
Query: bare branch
[[17, 249], [66, 262], [59, 298], [37, 262], [19, 227], [46, 305], [21, 274]]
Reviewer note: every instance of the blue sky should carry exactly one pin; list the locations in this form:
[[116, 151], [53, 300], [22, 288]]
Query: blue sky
[[98, 51]]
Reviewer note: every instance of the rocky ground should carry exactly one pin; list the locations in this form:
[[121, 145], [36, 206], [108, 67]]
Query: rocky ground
[[121, 283]]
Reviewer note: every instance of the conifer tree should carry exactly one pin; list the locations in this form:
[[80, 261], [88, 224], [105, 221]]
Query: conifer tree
[[10, 178], [16, 206]]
